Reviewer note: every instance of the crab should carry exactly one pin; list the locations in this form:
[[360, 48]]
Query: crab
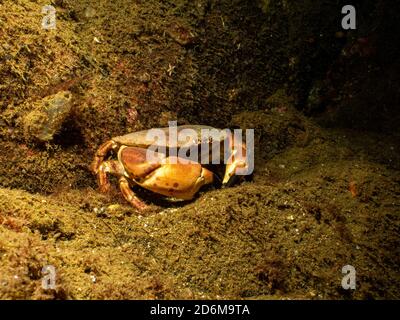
[[166, 172]]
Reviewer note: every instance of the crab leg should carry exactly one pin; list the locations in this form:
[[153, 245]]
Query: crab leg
[[129, 195], [115, 168], [112, 167], [101, 153]]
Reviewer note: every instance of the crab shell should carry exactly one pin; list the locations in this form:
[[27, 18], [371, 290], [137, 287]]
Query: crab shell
[[142, 139], [167, 176]]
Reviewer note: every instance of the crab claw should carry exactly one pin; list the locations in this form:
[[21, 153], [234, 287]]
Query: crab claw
[[230, 176], [237, 163]]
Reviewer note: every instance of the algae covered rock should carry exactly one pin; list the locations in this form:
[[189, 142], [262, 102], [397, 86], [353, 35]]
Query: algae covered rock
[[48, 115], [278, 126]]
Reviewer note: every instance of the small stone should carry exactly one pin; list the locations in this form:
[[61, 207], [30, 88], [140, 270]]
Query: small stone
[[114, 208], [90, 12], [181, 34], [47, 117]]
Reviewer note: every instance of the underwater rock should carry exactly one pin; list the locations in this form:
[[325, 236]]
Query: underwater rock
[[47, 117], [277, 127]]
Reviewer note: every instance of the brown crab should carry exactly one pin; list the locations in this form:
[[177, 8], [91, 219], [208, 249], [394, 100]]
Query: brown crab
[[166, 171]]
